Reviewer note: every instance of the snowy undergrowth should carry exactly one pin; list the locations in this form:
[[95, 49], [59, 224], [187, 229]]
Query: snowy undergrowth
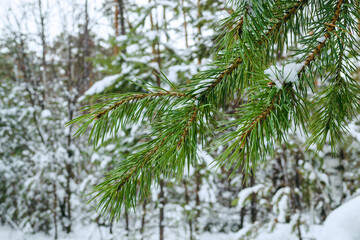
[[343, 223], [94, 232]]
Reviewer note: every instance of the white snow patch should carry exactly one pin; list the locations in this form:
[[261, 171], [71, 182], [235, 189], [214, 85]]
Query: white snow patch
[[45, 114], [121, 38], [202, 86], [282, 73], [245, 193], [101, 85], [280, 203], [354, 130], [206, 157], [321, 39], [207, 193], [151, 35], [343, 223]]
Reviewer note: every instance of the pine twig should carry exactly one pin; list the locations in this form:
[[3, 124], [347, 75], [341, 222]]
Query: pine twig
[[330, 28], [298, 5], [147, 157], [268, 110], [240, 26], [186, 128], [258, 119], [138, 97]]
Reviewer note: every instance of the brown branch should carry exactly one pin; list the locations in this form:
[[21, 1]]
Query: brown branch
[[298, 5], [186, 128], [256, 120], [155, 149], [147, 157], [239, 26], [330, 28], [137, 97]]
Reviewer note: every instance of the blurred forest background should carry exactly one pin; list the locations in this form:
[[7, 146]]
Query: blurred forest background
[[55, 56]]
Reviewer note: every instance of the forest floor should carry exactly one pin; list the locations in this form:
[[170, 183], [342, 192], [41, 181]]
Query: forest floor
[[281, 232], [342, 224]]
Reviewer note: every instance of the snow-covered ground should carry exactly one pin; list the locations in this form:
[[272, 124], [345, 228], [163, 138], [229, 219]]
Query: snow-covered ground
[[92, 232], [342, 224], [97, 233]]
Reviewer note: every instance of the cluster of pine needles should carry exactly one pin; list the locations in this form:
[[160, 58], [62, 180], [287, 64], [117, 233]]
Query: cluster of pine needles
[[322, 37]]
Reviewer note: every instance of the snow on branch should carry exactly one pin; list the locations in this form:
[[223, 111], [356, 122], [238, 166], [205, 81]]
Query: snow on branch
[[100, 86]]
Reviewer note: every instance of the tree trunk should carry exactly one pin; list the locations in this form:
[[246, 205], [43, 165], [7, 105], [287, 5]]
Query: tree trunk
[[86, 47], [127, 222], [253, 211], [111, 226], [334, 169], [55, 212], [298, 224], [68, 196], [69, 170], [155, 49], [122, 17], [199, 27], [143, 220], [165, 23], [297, 181], [229, 190], [120, 14], [116, 18], [162, 205], [43, 42], [185, 25], [243, 209], [197, 200], [43, 56], [242, 217], [187, 199], [116, 25]]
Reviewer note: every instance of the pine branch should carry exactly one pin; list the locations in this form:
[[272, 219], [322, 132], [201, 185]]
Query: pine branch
[[179, 122], [258, 120], [171, 146], [139, 167], [137, 97], [124, 109], [239, 60], [339, 101], [119, 188], [330, 28], [240, 26], [297, 6], [192, 119], [279, 105]]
